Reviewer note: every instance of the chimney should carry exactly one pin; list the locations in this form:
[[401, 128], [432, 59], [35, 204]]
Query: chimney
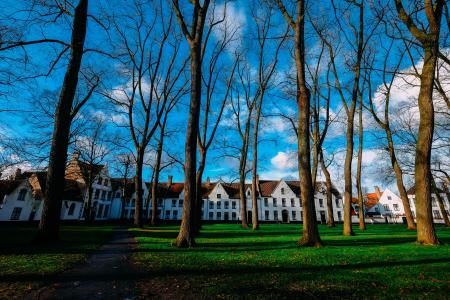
[[18, 173], [208, 182], [378, 192], [169, 180], [76, 155]]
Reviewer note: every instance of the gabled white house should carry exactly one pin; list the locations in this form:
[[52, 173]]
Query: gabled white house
[[278, 201]]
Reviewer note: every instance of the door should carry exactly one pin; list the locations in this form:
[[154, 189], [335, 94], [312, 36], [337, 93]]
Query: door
[[322, 217], [285, 216], [249, 217]]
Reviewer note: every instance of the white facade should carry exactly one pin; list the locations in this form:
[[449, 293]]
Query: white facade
[[389, 206], [282, 205], [437, 215]]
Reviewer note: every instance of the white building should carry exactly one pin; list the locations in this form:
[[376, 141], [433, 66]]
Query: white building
[[278, 201], [437, 214], [21, 197]]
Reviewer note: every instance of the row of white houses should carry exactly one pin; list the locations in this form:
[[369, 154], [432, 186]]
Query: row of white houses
[[278, 200]]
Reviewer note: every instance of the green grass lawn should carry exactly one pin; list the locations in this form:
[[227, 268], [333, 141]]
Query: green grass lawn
[[230, 262], [20, 258]]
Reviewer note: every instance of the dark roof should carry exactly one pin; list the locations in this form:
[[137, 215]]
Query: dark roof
[[86, 167], [176, 188], [7, 186], [412, 191], [72, 190], [117, 183]]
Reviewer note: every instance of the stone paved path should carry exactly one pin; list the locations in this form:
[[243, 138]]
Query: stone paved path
[[108, 274]]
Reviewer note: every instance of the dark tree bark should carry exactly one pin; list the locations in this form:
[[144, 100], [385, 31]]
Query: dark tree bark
[[429, 40], [330, 221], [195, 40], [311, 235], [48, 230], [362, 223]]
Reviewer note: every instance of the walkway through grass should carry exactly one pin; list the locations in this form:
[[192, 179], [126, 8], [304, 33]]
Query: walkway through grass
[[229, 262]]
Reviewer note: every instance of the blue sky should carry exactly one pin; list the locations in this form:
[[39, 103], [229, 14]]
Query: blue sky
[[277, 149]]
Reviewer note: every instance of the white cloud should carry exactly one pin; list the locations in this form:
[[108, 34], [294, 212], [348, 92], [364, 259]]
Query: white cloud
[[284, 160]]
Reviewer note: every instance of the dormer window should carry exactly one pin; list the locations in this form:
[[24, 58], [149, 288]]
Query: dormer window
[[219, 196], [282, 191], [22, 195], [105, 182], [100, 180], [389, 198]]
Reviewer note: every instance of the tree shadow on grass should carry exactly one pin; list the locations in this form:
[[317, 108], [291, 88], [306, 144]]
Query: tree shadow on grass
[[214, 270]]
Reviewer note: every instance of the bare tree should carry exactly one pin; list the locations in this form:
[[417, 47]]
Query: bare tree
[[385, 124], [311, 235], [429, 41], [440, 200], [361, 213], [92, 149], [150, 65], [194, 37], [266, 68], [329, 186]]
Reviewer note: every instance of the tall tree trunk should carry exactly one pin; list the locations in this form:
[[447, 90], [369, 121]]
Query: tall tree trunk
[[242, 196], [155, 183], [310, 235], [48, 230], [426, 233], [185, 237], [399, 179], [330, 221], [138, 189], [440, 202], [255, 182], [88, 214], [199, 200], [362, 224]]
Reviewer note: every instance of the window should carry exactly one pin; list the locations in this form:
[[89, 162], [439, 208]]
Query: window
[[339, 214], [266, 202], [275, 215], [105, 182], [100, 211], [71, 209], [233, 216], [219, 204], [283, 202], [16, 213], [292, 202], [233, 205], [274, 202], [434, 202], [282, 191], [22, 194], [266, 213], [336, 201], [103, 195], [167, 217], [386, 207], [118, 195], [99, 181], [227, 204], [105, 212], [300, 202], [219, 196], [211, 215], [436, 214], [109, 195], [396, 207], [180, 203], [159, 202], [248, 193], [174, 203], [97, 194], [389, 198], [320, 202], [175, 214], [294, 215], [211, 205], [219, 215]]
